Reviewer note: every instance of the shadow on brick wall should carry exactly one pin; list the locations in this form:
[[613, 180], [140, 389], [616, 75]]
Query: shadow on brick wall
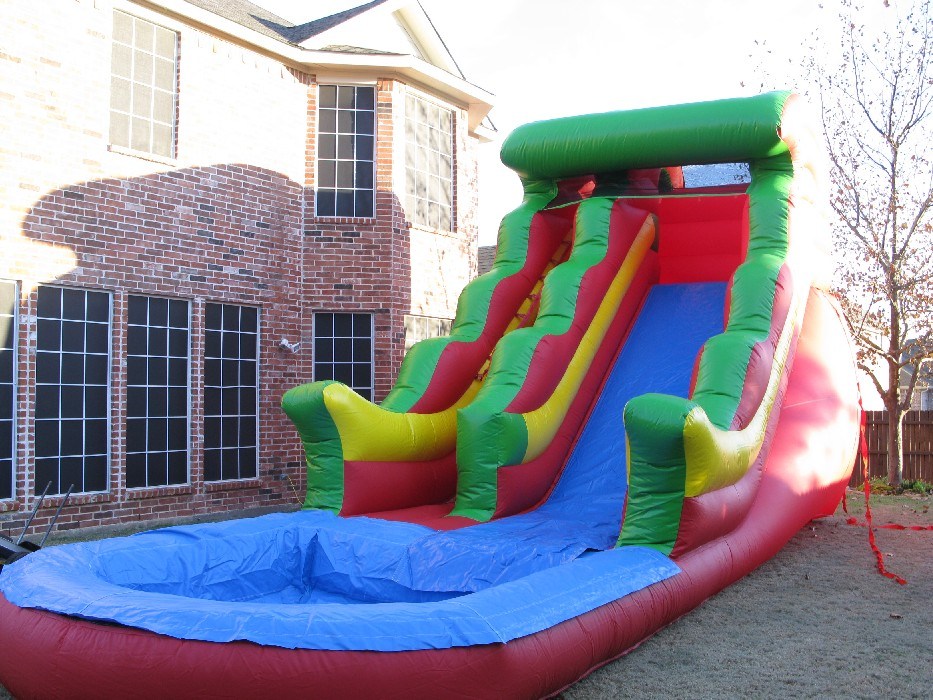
[[229, 233]]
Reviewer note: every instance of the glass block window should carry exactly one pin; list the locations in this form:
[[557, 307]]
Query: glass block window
[[418, 328], [231, 406], [157, 339], [72, 389], [428, 163], [346, 126], [143, 85], [343, 350], [8, 297]]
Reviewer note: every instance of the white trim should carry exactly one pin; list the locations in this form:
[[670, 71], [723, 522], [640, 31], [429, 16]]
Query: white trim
[[403, 67], [142, 155], [419, 25], [337, 79]]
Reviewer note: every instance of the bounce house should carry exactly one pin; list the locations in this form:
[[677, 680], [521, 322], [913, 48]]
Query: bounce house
[[647, 395]]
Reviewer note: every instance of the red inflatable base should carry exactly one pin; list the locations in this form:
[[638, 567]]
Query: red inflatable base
[[43, 655]]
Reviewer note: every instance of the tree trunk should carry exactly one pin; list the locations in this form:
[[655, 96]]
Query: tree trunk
[[895, 448]]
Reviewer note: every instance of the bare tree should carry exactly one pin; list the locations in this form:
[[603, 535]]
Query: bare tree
[[875, 91], [877, 107]]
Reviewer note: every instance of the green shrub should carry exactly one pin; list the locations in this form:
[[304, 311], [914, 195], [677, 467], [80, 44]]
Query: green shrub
[[879, 484], [918, 486]]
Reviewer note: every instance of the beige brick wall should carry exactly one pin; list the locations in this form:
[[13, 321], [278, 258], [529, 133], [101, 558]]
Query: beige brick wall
[[444, 262]]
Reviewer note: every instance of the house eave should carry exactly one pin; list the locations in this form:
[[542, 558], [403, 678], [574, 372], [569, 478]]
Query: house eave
[[403, 67], [408, 69]]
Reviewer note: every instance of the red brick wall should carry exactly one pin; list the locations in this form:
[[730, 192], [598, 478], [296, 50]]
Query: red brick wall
[[363, 264], [228, 220], [221, 233]]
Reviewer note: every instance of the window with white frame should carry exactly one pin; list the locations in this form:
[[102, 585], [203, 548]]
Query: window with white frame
[[231, 404], [343, 350], [72, 436], [346, 126], [143, 86], [418, 328], [8, 317], [157, 342], [428, 163]]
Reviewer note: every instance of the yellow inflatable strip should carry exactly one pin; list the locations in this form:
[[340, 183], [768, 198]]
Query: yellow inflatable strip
[[717, 458], [368, 432], [543, 422]]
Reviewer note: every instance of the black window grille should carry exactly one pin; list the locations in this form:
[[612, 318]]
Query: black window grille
[[8, 323], [343, 350], [72, 436], [231, 344], [157, 394], [346, 151]]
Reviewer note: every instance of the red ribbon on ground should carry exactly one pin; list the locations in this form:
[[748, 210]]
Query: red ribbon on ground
[[863, 453], [889, 526]]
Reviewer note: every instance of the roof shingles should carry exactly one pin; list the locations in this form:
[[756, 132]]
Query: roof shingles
[[259, 19]]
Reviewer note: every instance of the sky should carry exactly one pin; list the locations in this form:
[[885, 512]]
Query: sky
[[552, 58]]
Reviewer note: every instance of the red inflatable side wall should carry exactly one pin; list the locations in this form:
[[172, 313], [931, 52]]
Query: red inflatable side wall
[[553, 352], [547, 231], [375, 486]]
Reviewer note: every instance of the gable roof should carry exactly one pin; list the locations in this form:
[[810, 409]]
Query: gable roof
[[303, 32], [259, 19], [248, 15]]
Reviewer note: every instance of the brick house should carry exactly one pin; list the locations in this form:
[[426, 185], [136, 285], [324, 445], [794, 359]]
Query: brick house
[[203, 205]]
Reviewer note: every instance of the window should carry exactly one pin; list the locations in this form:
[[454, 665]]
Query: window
[[418, 328], [231, 335], [716, 174], [157, 392], [8, 297], [926, 400], [428, 163], [72, 382], [346, 151], [343, 350], [143, 86]]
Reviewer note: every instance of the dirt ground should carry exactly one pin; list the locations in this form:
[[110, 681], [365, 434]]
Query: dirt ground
[[817, 621]]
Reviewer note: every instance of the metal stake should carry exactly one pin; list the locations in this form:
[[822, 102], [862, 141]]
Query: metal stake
[[57, 513], [34, 511]]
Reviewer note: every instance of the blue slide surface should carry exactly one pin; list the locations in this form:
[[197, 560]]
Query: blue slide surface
[[585, 508]]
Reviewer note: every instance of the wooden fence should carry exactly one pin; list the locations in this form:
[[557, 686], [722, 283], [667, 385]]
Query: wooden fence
[[918, 446]]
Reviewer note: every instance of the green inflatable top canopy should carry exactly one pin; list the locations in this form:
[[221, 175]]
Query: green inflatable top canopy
[[721, 131]]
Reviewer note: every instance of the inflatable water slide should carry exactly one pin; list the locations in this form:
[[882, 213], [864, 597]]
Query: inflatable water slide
[[647, 395]]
